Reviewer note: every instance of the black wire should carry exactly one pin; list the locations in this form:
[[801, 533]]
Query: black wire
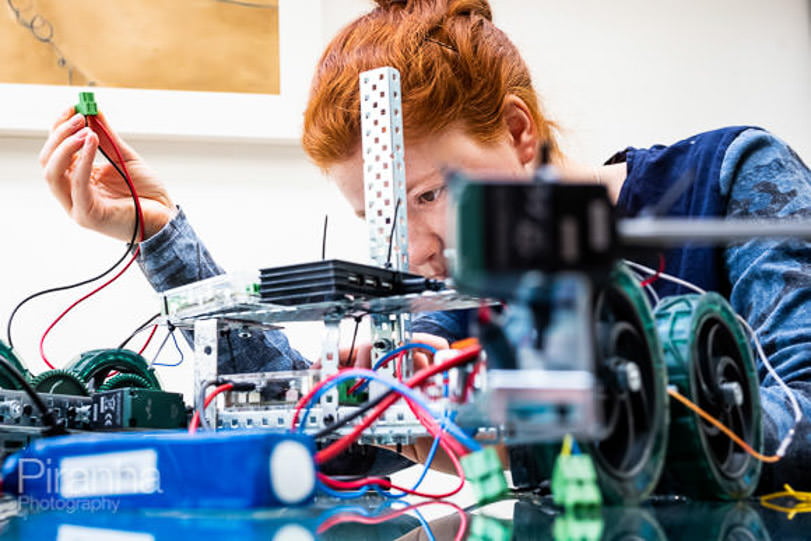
[[391, 235], [54, 427], [354, 336], [352, 416], [324, 238], [89, 280], [143, 326]]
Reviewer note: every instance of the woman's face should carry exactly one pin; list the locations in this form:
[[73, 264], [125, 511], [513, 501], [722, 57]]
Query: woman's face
[[425, 161]]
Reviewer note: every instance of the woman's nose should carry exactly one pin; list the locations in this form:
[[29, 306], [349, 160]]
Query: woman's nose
[[424, 248]]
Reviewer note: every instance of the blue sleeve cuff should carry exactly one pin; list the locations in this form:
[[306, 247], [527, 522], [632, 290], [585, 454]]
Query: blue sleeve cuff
[[175, 256]]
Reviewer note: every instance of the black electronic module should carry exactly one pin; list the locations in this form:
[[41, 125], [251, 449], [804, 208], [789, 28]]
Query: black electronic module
[[334, 280]]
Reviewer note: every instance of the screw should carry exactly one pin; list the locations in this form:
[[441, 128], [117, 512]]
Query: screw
[[732, 393]]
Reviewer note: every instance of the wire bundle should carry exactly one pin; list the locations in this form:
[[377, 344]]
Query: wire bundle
[[119, 164]]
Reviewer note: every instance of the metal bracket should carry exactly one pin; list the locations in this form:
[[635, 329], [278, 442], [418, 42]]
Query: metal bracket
[[206, 337], [385, 195]]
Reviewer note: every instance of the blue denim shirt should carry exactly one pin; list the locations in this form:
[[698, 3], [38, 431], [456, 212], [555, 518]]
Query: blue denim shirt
[[742, 172]]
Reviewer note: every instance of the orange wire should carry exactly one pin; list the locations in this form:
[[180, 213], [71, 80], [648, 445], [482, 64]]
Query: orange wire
[[717, 424]]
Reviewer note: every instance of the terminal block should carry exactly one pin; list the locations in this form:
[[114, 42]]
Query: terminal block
[[484, 472], [87, 104], [574, 483]]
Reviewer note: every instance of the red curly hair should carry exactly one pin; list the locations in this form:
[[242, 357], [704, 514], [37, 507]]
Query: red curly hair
[[456, 68]]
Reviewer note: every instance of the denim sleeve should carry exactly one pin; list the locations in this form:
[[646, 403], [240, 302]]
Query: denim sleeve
[[452, 325], [175, 256], [771, 286]]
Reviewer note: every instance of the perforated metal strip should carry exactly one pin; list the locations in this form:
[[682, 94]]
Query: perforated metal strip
[[383, 166]]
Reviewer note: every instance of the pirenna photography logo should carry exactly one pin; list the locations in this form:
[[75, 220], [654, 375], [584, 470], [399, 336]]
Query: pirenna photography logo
[[91, 483]]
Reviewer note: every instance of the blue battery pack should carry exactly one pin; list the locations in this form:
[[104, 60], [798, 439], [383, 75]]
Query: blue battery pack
[[225, 470]]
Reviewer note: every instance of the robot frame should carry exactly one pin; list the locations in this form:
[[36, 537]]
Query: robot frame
[[579, 350]]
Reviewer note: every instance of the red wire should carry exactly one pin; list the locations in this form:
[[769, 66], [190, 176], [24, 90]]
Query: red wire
[[338, 446], [123, 164], [434, 429], [195, 419], [397, 368], [387, 485], [139, 212], [418, 378], [650, 279], [69, 308], [148, 340], [470, 380], [347, 517]]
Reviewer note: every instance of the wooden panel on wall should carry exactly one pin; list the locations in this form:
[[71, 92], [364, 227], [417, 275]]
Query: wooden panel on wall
[[207, 45]]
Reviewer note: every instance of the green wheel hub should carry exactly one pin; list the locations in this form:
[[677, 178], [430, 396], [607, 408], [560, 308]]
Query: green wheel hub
[[710, 362], [632, 386]]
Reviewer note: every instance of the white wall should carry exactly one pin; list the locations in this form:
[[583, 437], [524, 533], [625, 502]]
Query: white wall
[[630, 72]]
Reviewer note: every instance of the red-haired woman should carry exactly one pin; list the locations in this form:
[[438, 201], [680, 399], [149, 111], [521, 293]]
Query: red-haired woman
[[469, 104]]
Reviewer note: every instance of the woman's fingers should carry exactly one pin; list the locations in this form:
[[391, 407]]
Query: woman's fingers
[[421, 359], [80, 187], [57, 136], [361, 356], [63, 116], [60, 160]]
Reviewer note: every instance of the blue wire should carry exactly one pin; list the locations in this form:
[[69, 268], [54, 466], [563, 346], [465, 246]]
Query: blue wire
[[177, 347], [393, 353], [425, 526], [354, 373], [411, 345]]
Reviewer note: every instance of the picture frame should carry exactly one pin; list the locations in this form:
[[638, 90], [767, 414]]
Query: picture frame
[[29, 110]]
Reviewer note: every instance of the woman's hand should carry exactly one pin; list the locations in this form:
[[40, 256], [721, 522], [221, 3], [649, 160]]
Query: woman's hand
[[96, 196]]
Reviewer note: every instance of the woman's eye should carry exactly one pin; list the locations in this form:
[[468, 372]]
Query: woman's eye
[[430, 197]]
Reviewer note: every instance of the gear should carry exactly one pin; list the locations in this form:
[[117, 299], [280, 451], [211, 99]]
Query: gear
[[7, 381], [59, 382], [93, 367], [124, 381]]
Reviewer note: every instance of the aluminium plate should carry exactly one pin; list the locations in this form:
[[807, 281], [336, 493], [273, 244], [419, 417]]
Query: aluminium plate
[[274, 314]]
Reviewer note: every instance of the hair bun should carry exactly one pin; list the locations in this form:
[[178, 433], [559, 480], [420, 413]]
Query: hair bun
[[450, 8], [385, 4]]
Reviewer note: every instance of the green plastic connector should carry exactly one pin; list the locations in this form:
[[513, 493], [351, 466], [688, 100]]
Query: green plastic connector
[[485, 474], [579, 526], [574, 483], [484, 528], [355, 399], [87, 104]]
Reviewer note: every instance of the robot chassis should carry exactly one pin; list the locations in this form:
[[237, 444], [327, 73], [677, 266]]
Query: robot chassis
[[580, 350]]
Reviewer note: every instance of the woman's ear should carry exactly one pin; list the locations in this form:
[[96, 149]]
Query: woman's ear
[[521, 129]]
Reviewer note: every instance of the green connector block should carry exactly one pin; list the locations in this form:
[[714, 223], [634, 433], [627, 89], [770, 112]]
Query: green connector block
[[574, 483], [355, 399], [87, 104], [484, 472], [484, 528], [578, 527]]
